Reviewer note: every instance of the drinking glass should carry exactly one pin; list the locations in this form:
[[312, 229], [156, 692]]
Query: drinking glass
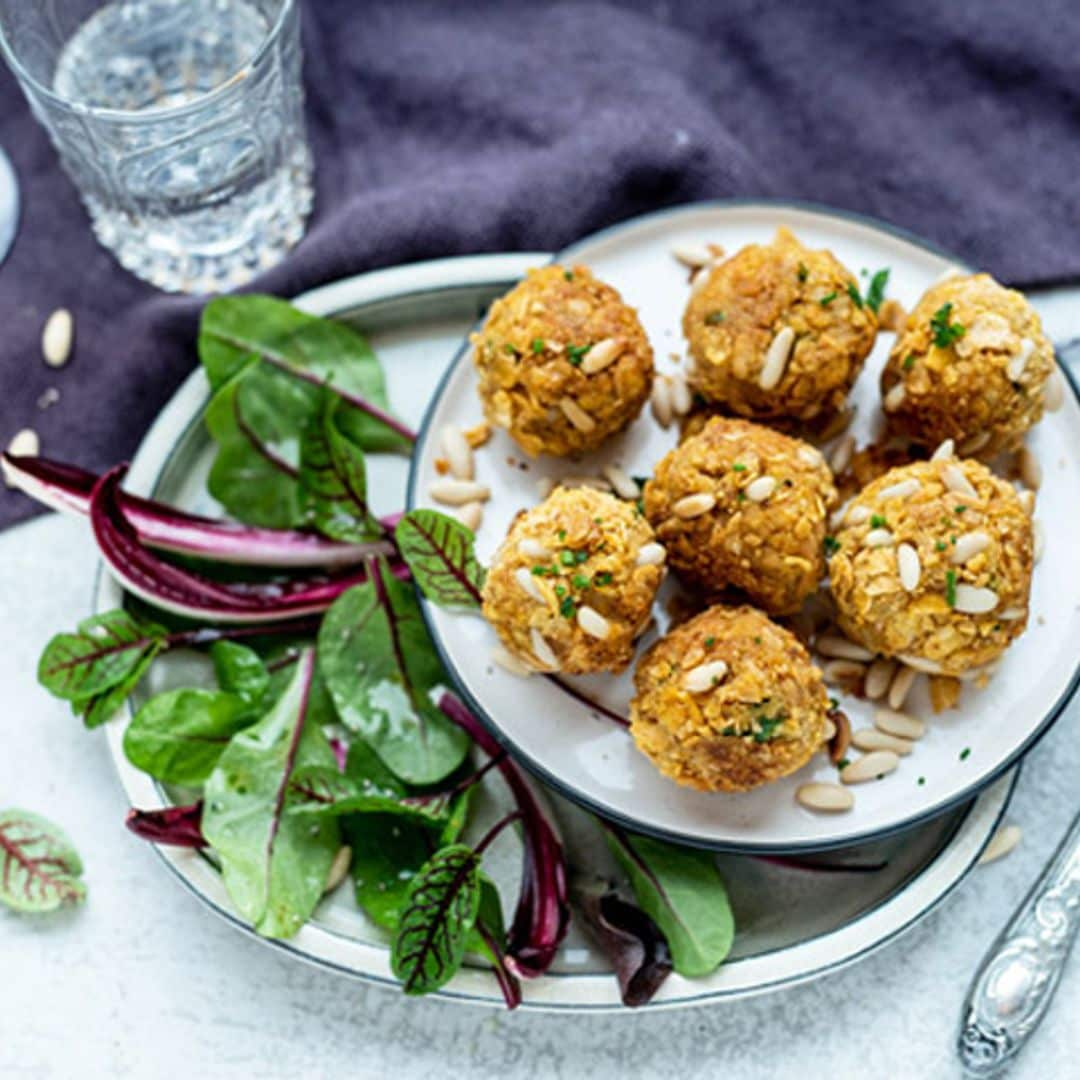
[[179, 121]]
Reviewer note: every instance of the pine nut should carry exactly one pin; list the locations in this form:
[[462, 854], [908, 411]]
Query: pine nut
[[840, 647], [533, 549], [602, 355], [899, 724], [976, 442], [869, 739], [828, 797], [1001, 843], [776, 358], [841, 456], [660, 402], [1015, 367], [596, 483], [879, 678], [920, 663], [458, 492], [811, 455], [577, 415], [26, 443], [843, 672], [692, 256], [870, 767], [651, 554], [857, 515], [1027, 502], [894, 398], [545, 485], [704, 677], [1039, 539], [901, 685], [56, 338], [542, 650], [592, 622], [974, 600], [1029, 468], [968, 546], [681, 400], [876, 538], [700, 277], [458, 452], [692, 506], [1054, 392], [945, 451], [624, 485], [471, 515], [760, 489], [955, 480], [509, 662], [1012, 614], [528, 584], [830, 730], [338, 869], [909, 567], [901, 490]]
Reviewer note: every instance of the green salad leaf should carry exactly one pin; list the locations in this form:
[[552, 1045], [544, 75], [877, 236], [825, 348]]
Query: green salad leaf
[[274, 864], [40, 869], [384, 678], [681, 890], [240, 671], [440, 554]]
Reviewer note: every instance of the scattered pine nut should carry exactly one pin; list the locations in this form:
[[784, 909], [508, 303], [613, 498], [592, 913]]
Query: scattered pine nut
[[660, 401], [901, 685], [776, 358], [701, 275], [870, 767], [533, 549], [597, 483], [542, 650], [624, 485], [1001, 843], [760, 489], [841, 456], [857, 515], [901, 490], [811, 455], [25, 443], [545, 485], [827, 797], [840, 647], [1015, 368], [651, 554], [681, 399], [56, 338], [879, 538], [920, 663], [692, 256], [894, 398], [1029, 468], [692, 506], [592, 622], [975, 443], [602, 355], [1054, 392], [843, 672], [458, 452], [509, 662], [1012, 614], [870, 739], [704, 677], [879, 678], [899, 724], [840, 743], [955, 480], [945, 451], [458, 492], [471, 515], [577, 415], [968, 546], [974, 600], [1027, 502], [338, 869], [528, 584]]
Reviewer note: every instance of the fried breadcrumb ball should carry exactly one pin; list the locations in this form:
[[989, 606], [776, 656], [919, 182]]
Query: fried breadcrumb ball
[[563, 363], [728, 701], [778, 330], [932, 564], [739, 505], [971, 364], [572, 586]]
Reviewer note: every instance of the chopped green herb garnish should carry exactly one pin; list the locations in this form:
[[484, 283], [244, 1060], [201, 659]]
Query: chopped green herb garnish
[[508, 348], [568, 275], [710, 642], [576, 353], [940, 545], [944, 331], [803, 272], [738, 466], [833, 703], [639, 506], [566, 557], [875, 291], [767, 727], [562, 534], [909, 361], [832, 545], [950, 588], [641, 481], [877, 521], [568, 609], [538, 345], [757, 639], [545, 571], [853, 292], [560, 590], [965, 753], [827, 299], [604, 577], [922, 780], [959, 509], [729, 730], [843, 763], [714, 318], [740, 496], [580, 581]]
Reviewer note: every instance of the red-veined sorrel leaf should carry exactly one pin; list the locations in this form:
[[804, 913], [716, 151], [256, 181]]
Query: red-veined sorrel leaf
[[326, 790], [39, 867], [177, 826], [439, 551], [439, 913]]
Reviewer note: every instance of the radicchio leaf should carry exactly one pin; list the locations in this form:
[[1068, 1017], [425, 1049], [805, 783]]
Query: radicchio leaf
[[440, 911], [176, 826], [439, 552], [39, 866], [542, 916], [274, 864]]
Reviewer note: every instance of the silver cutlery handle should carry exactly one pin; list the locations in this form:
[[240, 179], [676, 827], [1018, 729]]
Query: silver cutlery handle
[[1018, 976]]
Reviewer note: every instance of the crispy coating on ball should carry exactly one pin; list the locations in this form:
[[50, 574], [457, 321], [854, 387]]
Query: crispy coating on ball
[[973, 363], [926, 507], [733, 318], [532, 355], [577, 551], [769, 547], [761, 719]]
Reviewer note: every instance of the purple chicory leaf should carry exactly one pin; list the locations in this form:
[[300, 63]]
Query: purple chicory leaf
[[68, 488], [177, 826], [542, 916], [186, 593]]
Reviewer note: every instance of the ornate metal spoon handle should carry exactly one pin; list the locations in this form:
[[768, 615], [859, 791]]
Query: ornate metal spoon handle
[[1017, 979]]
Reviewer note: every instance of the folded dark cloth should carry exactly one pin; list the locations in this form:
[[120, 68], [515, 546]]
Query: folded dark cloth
[[442, 128]]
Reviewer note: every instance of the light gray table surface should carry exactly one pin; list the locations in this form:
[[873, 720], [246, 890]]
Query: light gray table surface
[[144, 982]]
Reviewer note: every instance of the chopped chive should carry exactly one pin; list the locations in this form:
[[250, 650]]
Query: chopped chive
[[710, 642], [566, 557], [580, 581], [604, 577], [940, 545], [922, 780], [950, 588], [832, 545], [803, 272], [959, 509], [828, 298], [909, 361], [853, 292], [568, 609], [877, 521], [738, 466], [875, 291], [965, 753], [538, 345], [576, 353], [568, 275], [944, 331]]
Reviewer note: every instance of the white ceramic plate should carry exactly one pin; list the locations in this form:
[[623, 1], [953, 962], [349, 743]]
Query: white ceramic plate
[[592, 760], [793, 925]]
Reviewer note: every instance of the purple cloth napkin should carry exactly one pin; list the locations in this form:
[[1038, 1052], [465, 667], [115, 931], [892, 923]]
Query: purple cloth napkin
[[484, 126]]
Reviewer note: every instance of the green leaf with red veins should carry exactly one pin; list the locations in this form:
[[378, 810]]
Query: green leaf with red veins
[[39, 867], [441, 555], [435, 923], [101, 654], [324, 791], [274, 864], [100, 708]]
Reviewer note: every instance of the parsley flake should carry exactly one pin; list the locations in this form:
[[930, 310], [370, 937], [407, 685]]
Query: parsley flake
[[576, 353], [714, 318], [853, 292], [538, 345], [944, 331], [832, 545], [909, 361], [950, 588], [828, 298], [877, 521], [875, 291]]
